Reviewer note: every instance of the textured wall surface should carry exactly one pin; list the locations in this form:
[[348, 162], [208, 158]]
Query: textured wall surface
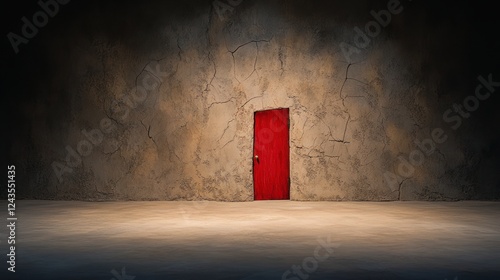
[[173, 94]]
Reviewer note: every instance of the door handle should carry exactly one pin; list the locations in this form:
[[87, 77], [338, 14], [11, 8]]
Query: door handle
[[256, 157]]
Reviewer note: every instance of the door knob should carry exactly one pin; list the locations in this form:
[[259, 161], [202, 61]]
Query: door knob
[[256, 157]]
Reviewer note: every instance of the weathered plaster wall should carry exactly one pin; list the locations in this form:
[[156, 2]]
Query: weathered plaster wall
[[190, 135]]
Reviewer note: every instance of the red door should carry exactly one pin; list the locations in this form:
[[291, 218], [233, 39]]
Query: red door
[[271, 155]]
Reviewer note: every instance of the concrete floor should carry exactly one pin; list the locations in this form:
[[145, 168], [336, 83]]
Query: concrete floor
[[254, 240]]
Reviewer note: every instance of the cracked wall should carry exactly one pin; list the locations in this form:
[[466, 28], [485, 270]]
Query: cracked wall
[[191, 136]]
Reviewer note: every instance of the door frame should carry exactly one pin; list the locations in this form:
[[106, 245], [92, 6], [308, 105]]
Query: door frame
[[288, 144]]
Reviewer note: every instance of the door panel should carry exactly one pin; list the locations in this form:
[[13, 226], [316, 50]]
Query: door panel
[[271, 162]]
